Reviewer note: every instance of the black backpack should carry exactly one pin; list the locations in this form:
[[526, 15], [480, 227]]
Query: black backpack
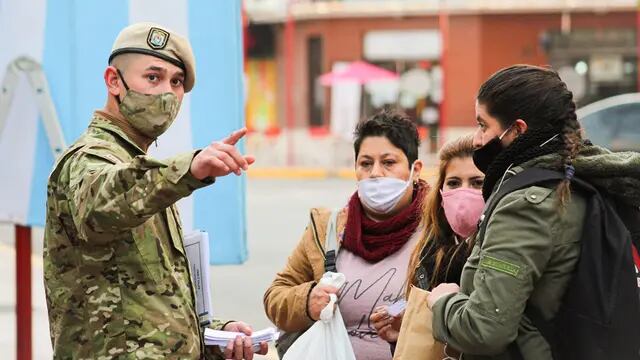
[[599, 317]]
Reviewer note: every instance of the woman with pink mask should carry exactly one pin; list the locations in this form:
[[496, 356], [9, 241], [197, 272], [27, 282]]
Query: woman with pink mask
[[450, 215]]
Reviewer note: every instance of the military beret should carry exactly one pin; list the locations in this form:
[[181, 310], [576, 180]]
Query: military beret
[[155, 40]]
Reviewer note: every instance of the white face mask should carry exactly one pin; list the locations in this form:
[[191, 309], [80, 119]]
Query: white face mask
[[382, 194]]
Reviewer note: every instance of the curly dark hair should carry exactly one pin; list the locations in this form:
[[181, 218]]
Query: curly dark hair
[[396, 126]]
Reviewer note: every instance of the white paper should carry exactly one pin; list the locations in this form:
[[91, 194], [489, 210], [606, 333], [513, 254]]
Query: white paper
[[196, 245], [396, 308], [222, 338]]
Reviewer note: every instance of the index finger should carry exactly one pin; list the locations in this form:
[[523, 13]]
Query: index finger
[[237, 350], [235, 155], [380, 308], [375, 317], [248, 349], [235, 136], [228, 350]]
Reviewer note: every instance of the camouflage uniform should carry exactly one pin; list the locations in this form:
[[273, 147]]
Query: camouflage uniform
[[116, 275]]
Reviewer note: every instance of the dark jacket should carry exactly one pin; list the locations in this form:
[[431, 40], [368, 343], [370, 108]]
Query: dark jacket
[[527, 256]]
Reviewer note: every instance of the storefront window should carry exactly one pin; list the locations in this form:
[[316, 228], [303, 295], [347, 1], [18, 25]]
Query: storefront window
[[596, 64], [418, 91]]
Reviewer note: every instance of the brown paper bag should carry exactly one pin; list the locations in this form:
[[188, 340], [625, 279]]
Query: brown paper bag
[[416, 341]]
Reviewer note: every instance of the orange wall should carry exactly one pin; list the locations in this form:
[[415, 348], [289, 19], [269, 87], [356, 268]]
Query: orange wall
[[478, 46], [342, 41], [462, 69]]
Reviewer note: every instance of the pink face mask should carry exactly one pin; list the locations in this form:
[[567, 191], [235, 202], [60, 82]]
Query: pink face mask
[[462, 208]]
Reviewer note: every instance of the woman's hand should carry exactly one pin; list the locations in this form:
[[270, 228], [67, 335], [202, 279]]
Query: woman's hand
[[318, 299], [440, 291], [387, 326]]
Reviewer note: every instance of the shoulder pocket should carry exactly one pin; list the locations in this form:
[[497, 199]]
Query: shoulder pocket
[[537, 194], [146, 162], [106, 151], [57, 168], [102, 154]]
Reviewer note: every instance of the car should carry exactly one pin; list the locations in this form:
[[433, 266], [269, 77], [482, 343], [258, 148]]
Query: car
[[613, 123]]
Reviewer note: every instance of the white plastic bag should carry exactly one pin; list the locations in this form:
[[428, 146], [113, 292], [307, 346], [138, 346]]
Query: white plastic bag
[[327, 339]]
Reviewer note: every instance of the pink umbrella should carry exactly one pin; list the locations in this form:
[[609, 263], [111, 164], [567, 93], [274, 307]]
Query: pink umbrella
[[360, 72]]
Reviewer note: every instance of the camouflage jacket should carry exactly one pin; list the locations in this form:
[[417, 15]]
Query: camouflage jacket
[[116, 276]]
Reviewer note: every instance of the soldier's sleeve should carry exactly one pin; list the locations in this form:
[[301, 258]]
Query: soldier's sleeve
[[111, 195], [517, 247], [214, 352], [217, 324]]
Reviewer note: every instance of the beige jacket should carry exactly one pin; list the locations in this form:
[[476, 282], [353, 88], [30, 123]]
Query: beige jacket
[[285, 301]]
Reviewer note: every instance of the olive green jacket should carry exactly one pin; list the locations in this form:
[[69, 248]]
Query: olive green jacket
[[527, 256]]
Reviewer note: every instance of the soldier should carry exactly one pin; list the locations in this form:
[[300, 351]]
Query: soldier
[[116, 275]]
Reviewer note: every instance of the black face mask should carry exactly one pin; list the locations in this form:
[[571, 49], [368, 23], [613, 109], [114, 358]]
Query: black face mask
[[484, 156]]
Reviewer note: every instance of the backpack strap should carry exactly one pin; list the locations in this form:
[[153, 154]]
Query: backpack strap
[[523, 179], [331, 243]]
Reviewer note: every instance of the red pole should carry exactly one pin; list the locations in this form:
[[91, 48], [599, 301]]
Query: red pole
[[245, 52], [23, 294], [289, 81], [443, 23], [638, 45]]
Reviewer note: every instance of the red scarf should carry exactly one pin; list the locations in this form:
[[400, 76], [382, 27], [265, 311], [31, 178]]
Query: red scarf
[[373, 240]]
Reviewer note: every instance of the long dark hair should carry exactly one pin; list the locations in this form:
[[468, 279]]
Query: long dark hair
[[538, 96]]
